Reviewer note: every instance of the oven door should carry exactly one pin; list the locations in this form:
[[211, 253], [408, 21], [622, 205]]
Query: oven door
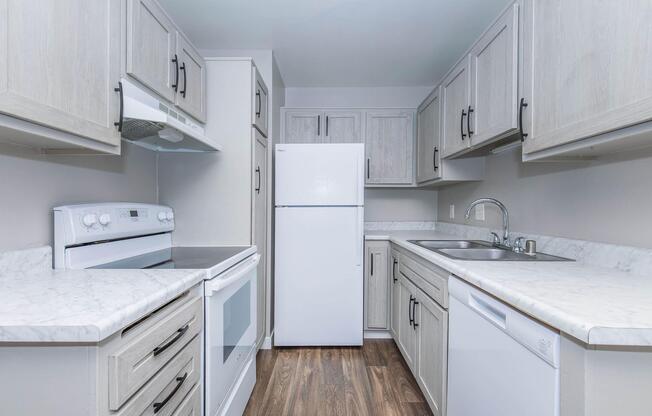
[[230, 329]]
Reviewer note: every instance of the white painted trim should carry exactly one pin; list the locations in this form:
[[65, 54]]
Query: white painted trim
[[267, 342], [377, 335]]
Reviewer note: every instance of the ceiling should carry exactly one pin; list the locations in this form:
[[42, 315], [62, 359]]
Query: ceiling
[[342, 43]]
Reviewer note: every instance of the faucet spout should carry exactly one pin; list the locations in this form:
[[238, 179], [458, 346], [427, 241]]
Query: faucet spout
[[503, 209]]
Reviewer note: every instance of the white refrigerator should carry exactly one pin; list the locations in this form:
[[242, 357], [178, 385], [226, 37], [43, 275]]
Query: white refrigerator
[[318, 281]]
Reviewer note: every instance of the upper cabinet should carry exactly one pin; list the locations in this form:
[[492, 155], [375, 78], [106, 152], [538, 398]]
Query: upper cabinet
[[455, 101], [492, 113], [260, 102], [342, 126], [162, 59], [587, 71], [428, 138], [60, 73], [322, 126], [302, 126], [389, 147]]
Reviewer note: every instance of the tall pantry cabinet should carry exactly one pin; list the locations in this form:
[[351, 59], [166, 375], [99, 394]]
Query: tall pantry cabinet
[[220, 198]]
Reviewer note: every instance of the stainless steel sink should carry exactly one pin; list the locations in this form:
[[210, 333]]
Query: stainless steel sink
[[480, 251]]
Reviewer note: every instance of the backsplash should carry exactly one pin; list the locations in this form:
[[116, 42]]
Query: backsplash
[[628, 259], [33, 259], [399, 225]]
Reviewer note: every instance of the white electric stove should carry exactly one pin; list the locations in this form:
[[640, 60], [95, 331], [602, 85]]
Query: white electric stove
[[138, 236]]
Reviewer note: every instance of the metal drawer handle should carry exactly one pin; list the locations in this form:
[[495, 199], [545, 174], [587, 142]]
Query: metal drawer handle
[[462, 125], [372, 263], [394, 270], [414, 315], [260, 104], [434, 158], [258, 173], [520, 119], [160, 405], [468, 122], [410, 310], [185, 80], [118, 123], [180, 333], [176, 73]]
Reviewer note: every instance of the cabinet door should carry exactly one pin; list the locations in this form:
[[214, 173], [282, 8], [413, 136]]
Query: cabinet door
[[494, 81], [407, 339], [303, 127], [587, 69], [260, 226], [395, 313], [343, 127], [388, 146], [191, 94], [376, 285], [455, 101], [151, 47], [428, 136], [261, 105], [432, 351], [60, 64]]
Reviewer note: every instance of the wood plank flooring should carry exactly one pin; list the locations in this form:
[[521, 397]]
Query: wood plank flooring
[[369, 380]]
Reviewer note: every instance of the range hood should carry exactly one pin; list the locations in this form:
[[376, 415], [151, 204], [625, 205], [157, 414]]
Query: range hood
[[157, 126]]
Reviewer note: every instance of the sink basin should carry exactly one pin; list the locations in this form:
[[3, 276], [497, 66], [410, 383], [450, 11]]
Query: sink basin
[[439, 244], [495, 254]]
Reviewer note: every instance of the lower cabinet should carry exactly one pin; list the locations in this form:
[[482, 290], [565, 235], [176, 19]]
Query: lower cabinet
[[395, 286], [407, 334], [376, 287]]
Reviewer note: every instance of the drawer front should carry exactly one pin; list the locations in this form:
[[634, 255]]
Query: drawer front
[[191, 404], [431, 279], [135, 363], [170, 388]]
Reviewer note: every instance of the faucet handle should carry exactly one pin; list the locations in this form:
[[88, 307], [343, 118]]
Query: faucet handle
[[495, 240], [518, 245]]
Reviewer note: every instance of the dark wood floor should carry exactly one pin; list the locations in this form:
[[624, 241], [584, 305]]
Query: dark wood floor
[[370, 380]]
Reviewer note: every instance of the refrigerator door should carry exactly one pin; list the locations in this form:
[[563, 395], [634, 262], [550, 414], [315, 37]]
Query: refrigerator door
[[318, 276], [319, 174]]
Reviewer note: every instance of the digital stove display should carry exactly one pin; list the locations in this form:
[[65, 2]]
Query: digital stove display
[[133, 213]]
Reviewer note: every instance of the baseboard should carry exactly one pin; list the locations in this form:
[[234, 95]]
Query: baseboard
[[377, 335], [267, 342]]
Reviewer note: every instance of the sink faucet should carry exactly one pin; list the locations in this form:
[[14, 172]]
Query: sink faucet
[[502, 207]]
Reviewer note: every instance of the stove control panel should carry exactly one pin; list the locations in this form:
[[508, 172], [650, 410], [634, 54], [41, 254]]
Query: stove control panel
[[88, 223]]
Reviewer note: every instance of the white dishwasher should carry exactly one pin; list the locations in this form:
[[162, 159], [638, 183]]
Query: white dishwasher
[[500, 362]]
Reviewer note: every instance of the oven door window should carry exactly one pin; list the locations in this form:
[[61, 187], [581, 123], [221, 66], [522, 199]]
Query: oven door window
[[237, 319]]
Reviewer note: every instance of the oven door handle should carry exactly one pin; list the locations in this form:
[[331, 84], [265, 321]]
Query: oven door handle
[[219, 283]]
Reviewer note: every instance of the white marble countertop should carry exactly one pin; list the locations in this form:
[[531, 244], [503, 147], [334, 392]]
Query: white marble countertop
[[83, 306], [596, 305]]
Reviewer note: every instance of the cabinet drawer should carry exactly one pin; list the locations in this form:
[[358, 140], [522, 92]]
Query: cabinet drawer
[[171, 386], [431, 279], [138, 360], [191, 404]]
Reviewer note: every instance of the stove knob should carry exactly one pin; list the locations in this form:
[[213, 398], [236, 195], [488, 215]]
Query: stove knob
[[161, 216], [89, 220], [170, 216], [105, 219]]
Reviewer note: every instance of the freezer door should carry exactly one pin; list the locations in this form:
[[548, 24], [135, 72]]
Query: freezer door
[[318, 276], [319, 174]]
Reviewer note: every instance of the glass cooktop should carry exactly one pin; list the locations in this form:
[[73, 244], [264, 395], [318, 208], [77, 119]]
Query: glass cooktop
[[177, 258]]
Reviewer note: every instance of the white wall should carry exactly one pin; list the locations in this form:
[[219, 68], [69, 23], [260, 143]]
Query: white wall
[[31, 184], [607, 200], [400, 205]]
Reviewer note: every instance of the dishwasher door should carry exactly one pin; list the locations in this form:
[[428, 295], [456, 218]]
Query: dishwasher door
[[500, 362]]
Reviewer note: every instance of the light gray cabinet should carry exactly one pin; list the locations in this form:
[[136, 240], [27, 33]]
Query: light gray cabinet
[[395, 287], [260, 225], [342, 126], [260, 113], [428, 138], [455, 95], [191, 93], [389, 147], [302, 126], [60, 66], [376, 288], [407, 337], [494, 80], [586, 71]]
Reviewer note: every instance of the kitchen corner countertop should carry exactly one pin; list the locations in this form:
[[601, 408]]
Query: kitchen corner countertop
[[597, 306], [84, 306]]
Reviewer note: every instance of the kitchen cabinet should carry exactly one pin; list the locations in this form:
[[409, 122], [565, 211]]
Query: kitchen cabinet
[[376, 289], [302, 126], [261, 104], [260, 224], [60, 70], [455, 91], [191, 91], [395, 307], [342, 126], [407, 337], [161, 58], [586, 75], [494, 80], [428, 138], [389, 147]]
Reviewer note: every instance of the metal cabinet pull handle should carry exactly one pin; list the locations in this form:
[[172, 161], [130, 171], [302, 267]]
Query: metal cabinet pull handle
[[326, 126], [394, 270], [434, 158], [372, 263], [520, 119], [160, 405], [258, 173], [180, 333], [468, 122], [185, 80], [175, 60], [118, 123], [410, 310], [260, 104], [368, 169], [318, 125], [414, 315], [462, 125]]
